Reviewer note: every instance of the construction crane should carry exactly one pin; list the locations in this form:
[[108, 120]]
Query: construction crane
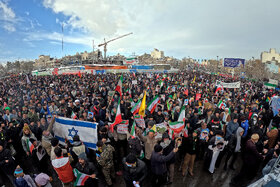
[[106, 42]]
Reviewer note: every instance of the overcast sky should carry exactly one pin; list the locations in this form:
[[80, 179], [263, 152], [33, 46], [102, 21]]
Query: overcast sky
[[181, 28]]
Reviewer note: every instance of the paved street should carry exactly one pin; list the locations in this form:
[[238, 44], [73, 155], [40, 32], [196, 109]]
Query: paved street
[[201, 178]]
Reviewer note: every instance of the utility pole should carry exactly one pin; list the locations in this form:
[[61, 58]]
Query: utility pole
[[62, 38]]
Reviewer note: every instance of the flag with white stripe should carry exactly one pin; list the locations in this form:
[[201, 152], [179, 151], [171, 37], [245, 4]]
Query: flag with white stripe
[[66, 128]]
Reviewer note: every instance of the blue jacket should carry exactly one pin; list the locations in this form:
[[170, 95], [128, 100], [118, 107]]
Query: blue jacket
[[231, 129], [245, 126], [21, 182]]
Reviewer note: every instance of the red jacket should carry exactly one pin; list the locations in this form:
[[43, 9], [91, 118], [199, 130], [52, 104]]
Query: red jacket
[[63, 169]]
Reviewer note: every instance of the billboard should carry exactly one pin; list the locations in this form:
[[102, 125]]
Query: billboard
[[233, 62]]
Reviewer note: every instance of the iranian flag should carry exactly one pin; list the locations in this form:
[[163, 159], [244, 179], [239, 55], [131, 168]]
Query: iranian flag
[[136, 107], [130, 60], [221, 104], [119, 86], [30, 145], [118, 118], [161, 83], [176, 126], [73, 115], [182, 115], [152, 105], [171, 134], [80, 178], [186, 131], [157, 76], [133, 130]]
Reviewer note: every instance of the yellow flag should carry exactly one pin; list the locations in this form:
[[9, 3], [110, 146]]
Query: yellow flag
[[153, 128], [194, 79], [143, 106]]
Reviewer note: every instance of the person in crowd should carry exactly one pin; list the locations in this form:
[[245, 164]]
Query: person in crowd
[[63, 168], [149, 143], [250, 162], [105, 160], [231, 128], [191, 146], [203, 134], [233, 148], [23, 180], [168, 146], [272, 135], [158, 165], [88, 168], [28, 110], [77, 148], [216, 146], [7, 163], [135, 170], [43, 180]]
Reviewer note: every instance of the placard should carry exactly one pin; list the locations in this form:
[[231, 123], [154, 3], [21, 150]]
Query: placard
[[122, 128], [140, 122]]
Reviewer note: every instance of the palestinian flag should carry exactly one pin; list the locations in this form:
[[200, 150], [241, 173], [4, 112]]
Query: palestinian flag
[[30, 145], [118, 118], [221, 104], [119, 86], [73, 115], [182, 115], [80, 178], [136, 107], [176, 126], [133, 130], [152, 105]]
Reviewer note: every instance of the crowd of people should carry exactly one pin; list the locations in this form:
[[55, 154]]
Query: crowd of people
[[220, 127]]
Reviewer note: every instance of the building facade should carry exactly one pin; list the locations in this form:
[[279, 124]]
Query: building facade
[[272, 55], [156, 54]]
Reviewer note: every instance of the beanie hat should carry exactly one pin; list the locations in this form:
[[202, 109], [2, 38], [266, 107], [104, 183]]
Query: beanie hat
[[18, 170], [158, 148], [83, 156], [76, 138], [54, 142], [42, 179], [131, 158]]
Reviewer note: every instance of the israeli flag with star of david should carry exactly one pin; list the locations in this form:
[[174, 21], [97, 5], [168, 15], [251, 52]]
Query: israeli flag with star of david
[[68, 128]]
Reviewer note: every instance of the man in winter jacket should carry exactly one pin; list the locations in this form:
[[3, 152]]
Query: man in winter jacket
[[134, 170], [63, 168], [232, 127], [168, 145], [105, 160], [88, 168], [7, 163], [158, 165], [251, 158]]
